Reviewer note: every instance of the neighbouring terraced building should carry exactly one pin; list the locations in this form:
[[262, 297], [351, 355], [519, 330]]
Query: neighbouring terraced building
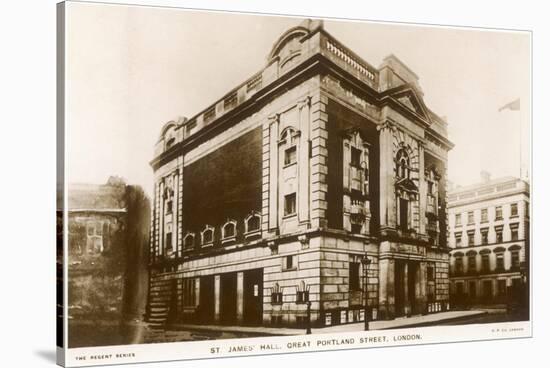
[[269, 198], [489, 237]]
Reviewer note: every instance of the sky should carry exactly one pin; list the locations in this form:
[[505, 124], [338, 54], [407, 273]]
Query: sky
[[130, 69]]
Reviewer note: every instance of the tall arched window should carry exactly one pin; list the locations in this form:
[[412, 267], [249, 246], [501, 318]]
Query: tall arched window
[[289, 142], [402, 162]]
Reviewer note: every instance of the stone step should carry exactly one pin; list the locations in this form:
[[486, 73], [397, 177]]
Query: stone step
[[159, 309]]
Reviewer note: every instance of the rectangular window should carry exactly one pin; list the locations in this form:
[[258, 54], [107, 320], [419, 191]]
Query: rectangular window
[[290, 155], [168, 241], [470, 217], [189, 292], [91, 229], [500, 262], [459, 288], [514, 209], [302, 296], [356, 228], [403, 214], [515, 260], [514, 232], [498, 213], [355, 157], [498, 235], [471, 238], [289, 263], [209, 115], [458, 239], [458, 219], [487, 289], [290, 204], [169, 207], [484, 236], [501, 287], [472, 289], [99, 229], [277, 298], [354, 276], [458, 265], [471, 264], [485, 265], [484, 215], [431, 273], [191, 126]]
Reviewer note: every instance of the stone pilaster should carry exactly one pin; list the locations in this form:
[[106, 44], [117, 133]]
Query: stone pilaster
[[197, 291], [161, 219], [240, 299], [217, 298], [175, 212], [303, 163], [319, 154], [265, 175], [386, 288], [154, 231], [387, 192], [406, 296], [422, 189], [273, 174], [179, 218], [421, 292]]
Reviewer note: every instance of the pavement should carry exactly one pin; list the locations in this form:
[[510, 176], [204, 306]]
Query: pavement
[[405, 322]]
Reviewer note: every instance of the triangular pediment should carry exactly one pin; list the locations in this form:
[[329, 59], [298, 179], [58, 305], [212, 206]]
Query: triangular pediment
[[407, 185], [410, 103], [410, 98]]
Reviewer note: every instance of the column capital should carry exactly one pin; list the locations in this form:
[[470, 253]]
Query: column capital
[[274, 118], [304, 102], [386, 124]]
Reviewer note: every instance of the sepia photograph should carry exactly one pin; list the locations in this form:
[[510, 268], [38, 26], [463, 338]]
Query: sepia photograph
[[228, 177]]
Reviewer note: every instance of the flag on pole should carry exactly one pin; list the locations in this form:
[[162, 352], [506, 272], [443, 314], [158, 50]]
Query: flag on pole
[[514, 106]]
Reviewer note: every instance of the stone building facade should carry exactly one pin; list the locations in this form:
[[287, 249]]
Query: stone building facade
[[488, 234], [269, 198]]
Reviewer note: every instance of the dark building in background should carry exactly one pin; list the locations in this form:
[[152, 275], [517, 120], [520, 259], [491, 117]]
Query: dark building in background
[[270, 198], [108, 257]]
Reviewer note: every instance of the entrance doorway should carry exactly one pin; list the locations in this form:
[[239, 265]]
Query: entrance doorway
[[205, 311], [405, 287], [253, 297], [228, 298]]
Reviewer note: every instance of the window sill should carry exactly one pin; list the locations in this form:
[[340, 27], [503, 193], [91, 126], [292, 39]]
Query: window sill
[[252, 234], [229, 239], [290, 269], [208, 245], [290, 164], [290, 215]]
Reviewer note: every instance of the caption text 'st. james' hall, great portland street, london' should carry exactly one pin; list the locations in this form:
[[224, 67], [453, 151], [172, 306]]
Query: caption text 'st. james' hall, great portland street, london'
[[267, 201]]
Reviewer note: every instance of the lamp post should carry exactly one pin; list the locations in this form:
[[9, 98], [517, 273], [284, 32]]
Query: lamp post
[[365, 261]]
